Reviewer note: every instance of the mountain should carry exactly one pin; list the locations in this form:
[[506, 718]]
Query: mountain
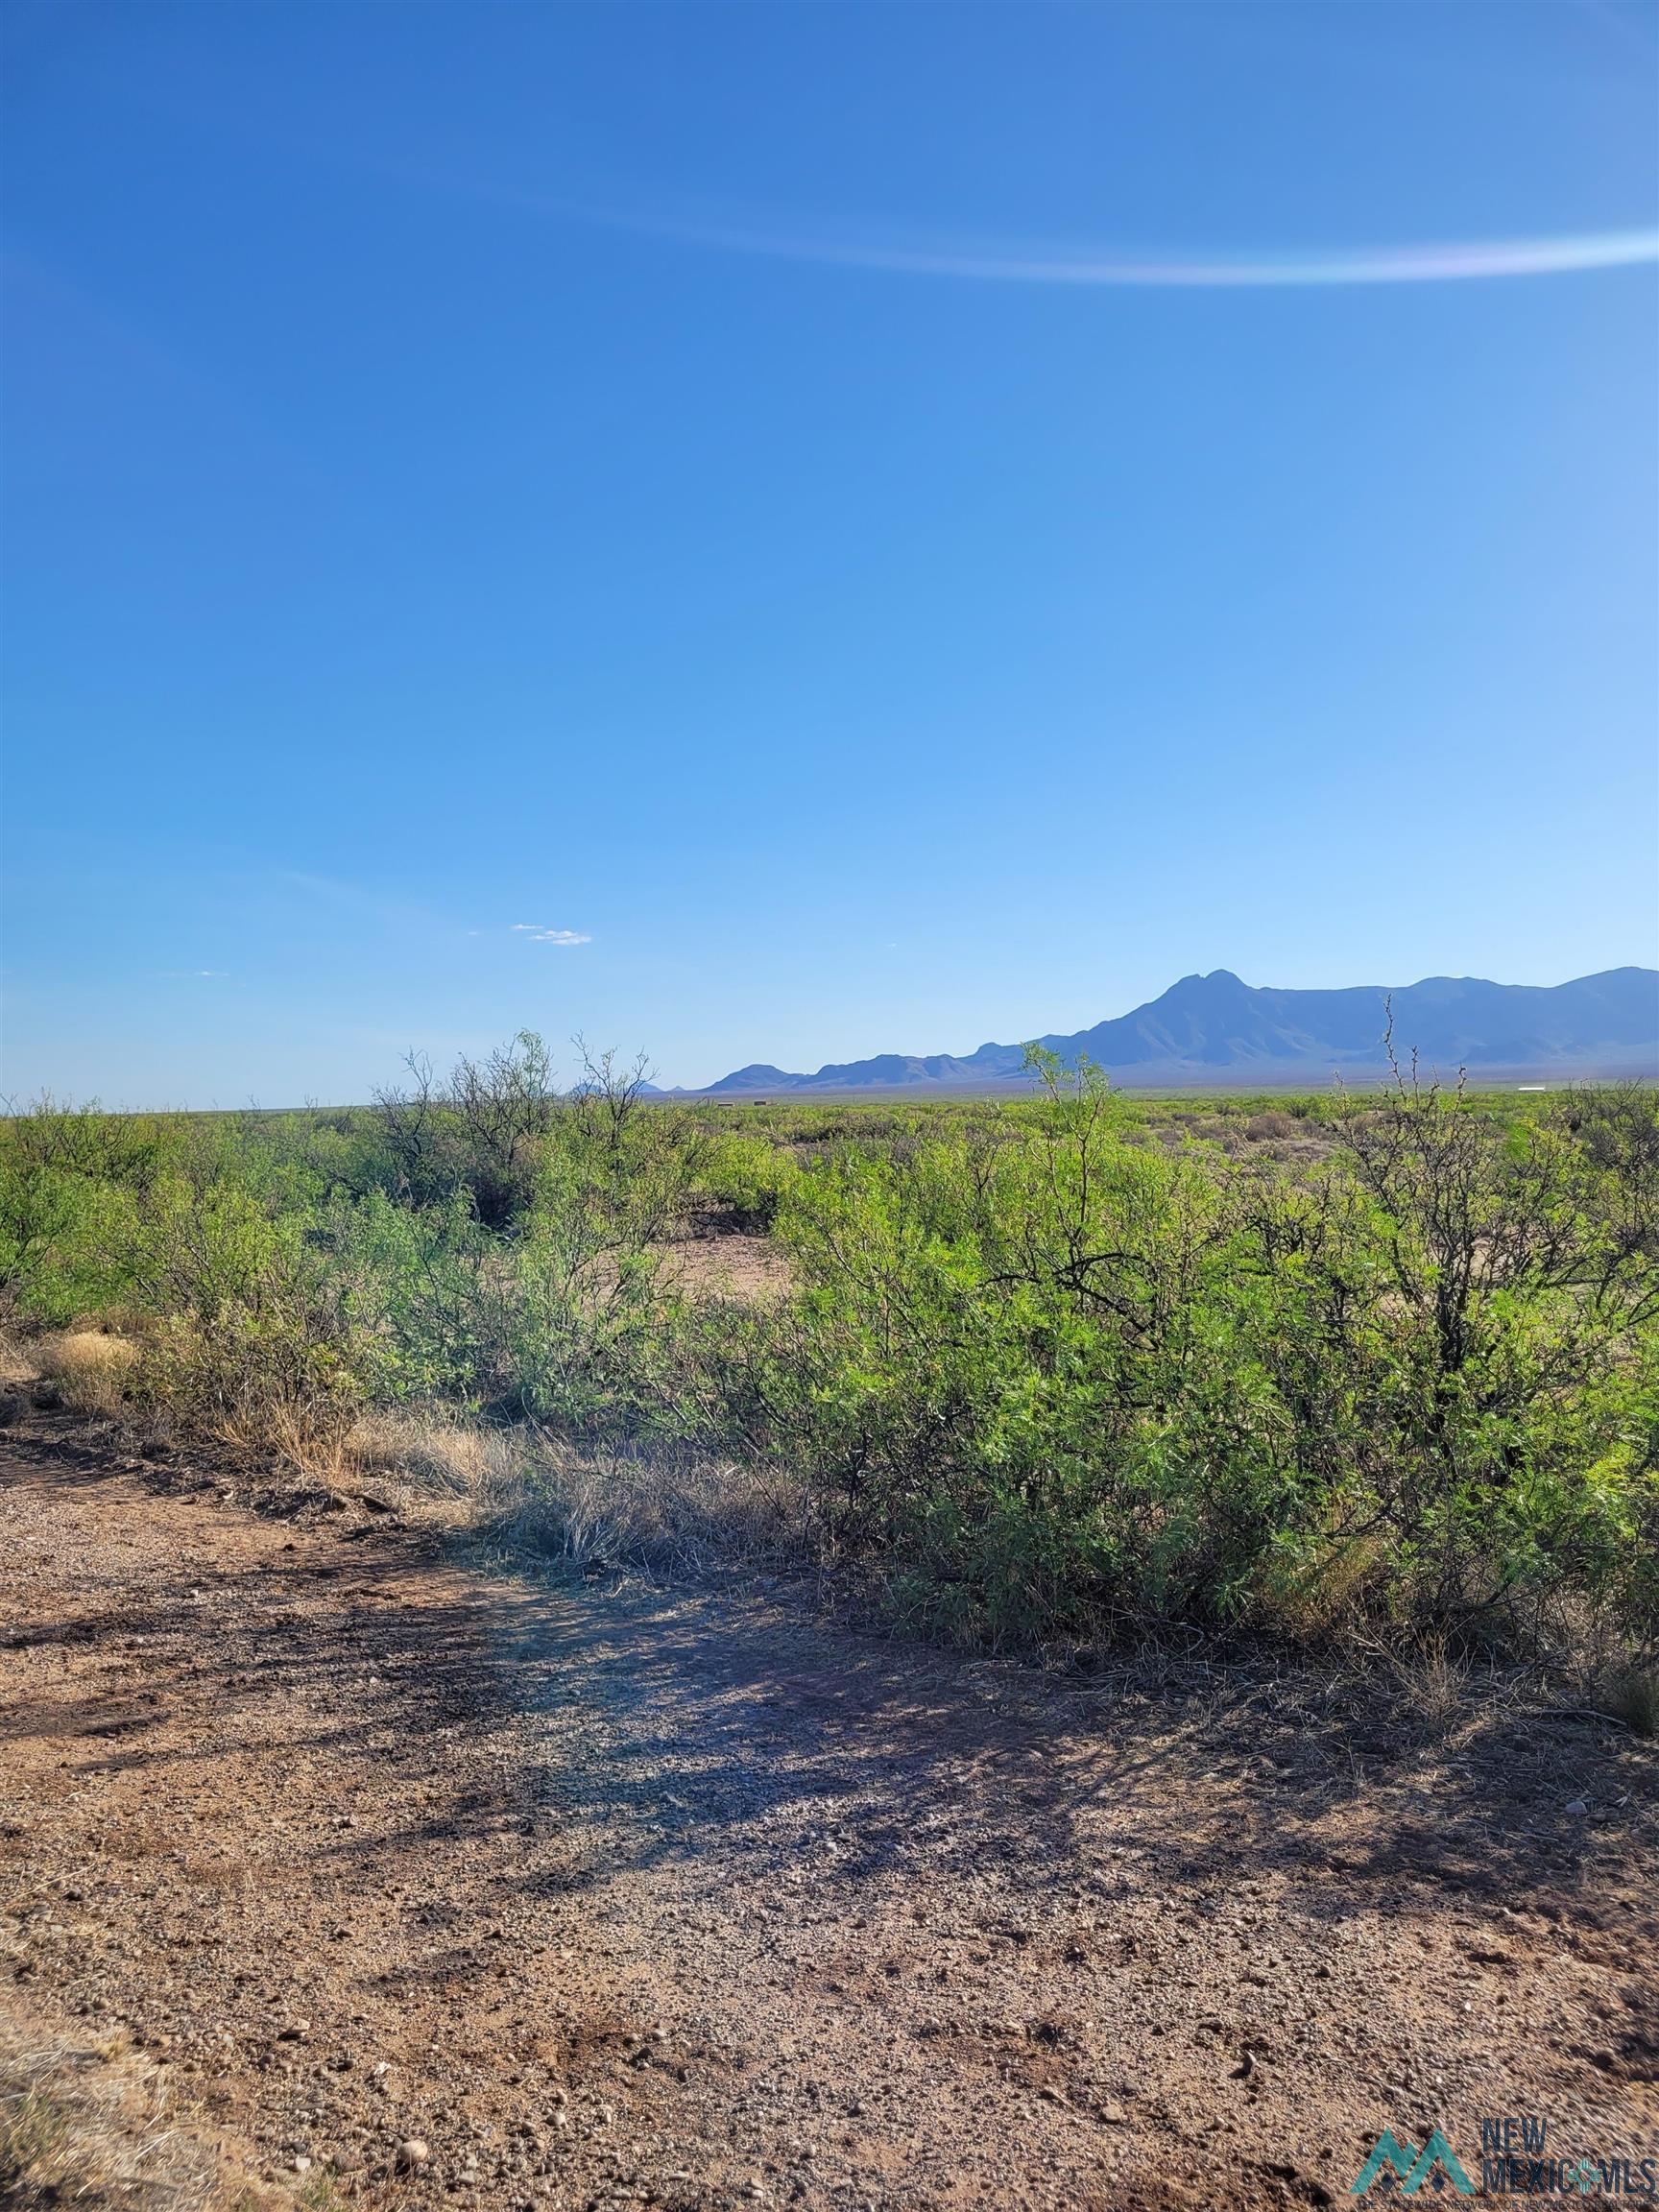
[[1209, 1028]]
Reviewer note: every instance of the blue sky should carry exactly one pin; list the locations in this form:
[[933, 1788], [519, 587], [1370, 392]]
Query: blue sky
[[484, 477]]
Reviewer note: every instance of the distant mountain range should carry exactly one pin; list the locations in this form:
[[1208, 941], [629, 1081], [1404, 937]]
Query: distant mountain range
[[1214, 1028]]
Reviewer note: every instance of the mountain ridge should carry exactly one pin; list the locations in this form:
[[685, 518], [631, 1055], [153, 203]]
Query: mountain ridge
[[1207, 1026]]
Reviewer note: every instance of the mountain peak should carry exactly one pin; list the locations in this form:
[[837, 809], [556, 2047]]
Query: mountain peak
[[1208, 1027], [1217, 979]]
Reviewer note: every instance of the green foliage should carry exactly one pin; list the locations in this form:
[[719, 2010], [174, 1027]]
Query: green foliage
[[425, 1291], [746, 1175], [1051, 1376], [1059, 1365], [989, 1356]]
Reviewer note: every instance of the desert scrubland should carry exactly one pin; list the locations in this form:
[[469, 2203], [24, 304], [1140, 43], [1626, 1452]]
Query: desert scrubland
[[567, 1649]]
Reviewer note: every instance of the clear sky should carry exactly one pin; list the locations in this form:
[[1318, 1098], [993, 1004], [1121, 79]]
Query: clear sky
[[673, 523]]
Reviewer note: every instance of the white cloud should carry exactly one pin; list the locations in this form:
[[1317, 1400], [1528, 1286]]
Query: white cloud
[[539, 933], [1434, 262], [1024, 262]]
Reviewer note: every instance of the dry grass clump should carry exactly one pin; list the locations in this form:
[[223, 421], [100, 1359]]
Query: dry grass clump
[[657, 1512], [1432, 1683], [92, 2122], [18, 1363], [89, 1370], [431, 1452], [661, 1512], [444, 1473]]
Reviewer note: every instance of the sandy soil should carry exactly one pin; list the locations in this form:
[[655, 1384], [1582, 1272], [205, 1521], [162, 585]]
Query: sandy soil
[[733, 1262], [614, 1896]]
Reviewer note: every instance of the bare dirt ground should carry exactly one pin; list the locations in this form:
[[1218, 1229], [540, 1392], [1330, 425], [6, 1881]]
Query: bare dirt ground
[[609, 1896], [717, 1258]]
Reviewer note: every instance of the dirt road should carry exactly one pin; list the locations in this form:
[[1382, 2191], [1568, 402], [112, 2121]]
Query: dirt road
[[612, 1896]]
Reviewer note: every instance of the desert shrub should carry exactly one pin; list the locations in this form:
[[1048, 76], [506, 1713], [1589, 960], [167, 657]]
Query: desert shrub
[[1265, 1128], [985, 1361], [71, 1179], [559, 1318], [256, 1378], [247, 1341], [480, 1133], [1030, 1374], [617, 1178], [1074, 1381], [236, 1333], [55, 1246], [1458, 1320], [427, 1292], [746, 1175]]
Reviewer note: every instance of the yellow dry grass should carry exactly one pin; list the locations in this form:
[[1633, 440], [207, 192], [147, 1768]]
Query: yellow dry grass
[[654, 1512], [88, 2121], [17, 1362], [431, 1452], [90, 1370]]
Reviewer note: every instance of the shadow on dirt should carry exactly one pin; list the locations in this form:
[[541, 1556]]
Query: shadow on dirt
[[679, 1724]]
